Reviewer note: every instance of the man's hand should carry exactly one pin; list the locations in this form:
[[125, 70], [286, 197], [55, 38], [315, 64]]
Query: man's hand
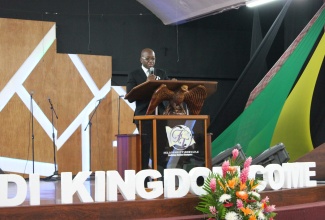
[[151, 77]]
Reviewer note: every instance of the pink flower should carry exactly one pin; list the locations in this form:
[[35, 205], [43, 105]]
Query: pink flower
[[244, 174], [213, 184], [270, 208], [235, 153], [239, 204], [213, 210], [225, 167], [248, 162], [265, 200]]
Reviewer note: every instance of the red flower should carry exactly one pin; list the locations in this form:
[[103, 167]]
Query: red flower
[[228, 204], [250, 200]]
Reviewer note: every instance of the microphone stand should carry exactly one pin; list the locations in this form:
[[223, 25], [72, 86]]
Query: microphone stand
[[90, 124], [55, 174], [33, 154], [118, 120]]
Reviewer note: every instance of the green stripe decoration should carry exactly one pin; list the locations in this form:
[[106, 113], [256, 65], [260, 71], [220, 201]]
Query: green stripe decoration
[[254, 128], [293, 126]]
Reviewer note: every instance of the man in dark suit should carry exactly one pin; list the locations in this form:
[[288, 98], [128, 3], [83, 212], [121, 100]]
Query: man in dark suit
[[144, 73]]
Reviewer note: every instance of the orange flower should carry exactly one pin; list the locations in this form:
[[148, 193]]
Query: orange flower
[[242, 195], [246, 211], [252, 184], [252, 217], [242, 186], [222, 186], [232, 169], [232, 183], [263, 205]]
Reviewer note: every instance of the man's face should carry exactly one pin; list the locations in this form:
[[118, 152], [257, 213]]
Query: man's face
[[148, 59]]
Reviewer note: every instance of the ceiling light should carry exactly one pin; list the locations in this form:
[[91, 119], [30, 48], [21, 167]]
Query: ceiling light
[[254, 3]]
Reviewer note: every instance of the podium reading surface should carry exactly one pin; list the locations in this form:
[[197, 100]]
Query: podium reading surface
[[145, 90]]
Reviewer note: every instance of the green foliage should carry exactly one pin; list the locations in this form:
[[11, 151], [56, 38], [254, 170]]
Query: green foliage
[[234, 196]]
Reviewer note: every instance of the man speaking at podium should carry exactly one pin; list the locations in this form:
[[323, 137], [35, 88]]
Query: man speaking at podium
[[144, 73]]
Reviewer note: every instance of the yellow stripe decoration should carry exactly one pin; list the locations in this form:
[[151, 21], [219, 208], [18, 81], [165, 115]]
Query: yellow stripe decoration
[[293, 126]]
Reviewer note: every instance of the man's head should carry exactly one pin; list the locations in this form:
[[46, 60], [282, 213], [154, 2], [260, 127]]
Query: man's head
[[148, 58]]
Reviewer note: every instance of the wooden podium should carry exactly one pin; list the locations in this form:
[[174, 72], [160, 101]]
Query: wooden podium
[[178, 141]]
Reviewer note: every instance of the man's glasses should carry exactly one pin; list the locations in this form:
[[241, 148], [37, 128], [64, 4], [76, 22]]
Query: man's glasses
[[148, 58]]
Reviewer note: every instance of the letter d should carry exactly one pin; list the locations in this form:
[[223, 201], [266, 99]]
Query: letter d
[[21, 190]]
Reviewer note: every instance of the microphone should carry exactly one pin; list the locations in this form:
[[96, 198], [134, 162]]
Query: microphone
[[151, 70], [52, 108], [31, 93], [50, 101], [99, 100]]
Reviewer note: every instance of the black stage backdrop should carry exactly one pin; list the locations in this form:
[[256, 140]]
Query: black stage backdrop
[[216, 48]]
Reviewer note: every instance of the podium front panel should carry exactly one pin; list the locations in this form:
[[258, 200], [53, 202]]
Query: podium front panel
[[180, 143]]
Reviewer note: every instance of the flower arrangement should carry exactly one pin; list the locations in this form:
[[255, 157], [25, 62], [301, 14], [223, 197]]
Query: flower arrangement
[[233, 196]]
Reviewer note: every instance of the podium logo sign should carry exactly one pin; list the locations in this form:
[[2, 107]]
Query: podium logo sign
[[180, 137]]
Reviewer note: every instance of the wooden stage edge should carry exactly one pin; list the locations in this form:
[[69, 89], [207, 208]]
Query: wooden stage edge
[[303, 203]]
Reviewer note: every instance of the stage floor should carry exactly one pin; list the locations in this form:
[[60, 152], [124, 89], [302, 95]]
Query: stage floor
[[296, 202]]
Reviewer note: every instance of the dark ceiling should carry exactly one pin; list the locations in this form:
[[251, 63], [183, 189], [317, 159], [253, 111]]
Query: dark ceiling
[[50, 10]]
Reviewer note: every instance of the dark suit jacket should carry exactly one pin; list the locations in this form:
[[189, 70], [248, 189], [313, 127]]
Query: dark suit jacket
[[137, 77]]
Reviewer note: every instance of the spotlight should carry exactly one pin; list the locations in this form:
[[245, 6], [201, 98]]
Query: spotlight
[[254, 3], [226, 154], [274, 155]]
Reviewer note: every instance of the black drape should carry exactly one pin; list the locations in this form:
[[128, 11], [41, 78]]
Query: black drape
[[317, 114], [249, 78]]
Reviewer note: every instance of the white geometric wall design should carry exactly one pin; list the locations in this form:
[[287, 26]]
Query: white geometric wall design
[[15, 85]]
